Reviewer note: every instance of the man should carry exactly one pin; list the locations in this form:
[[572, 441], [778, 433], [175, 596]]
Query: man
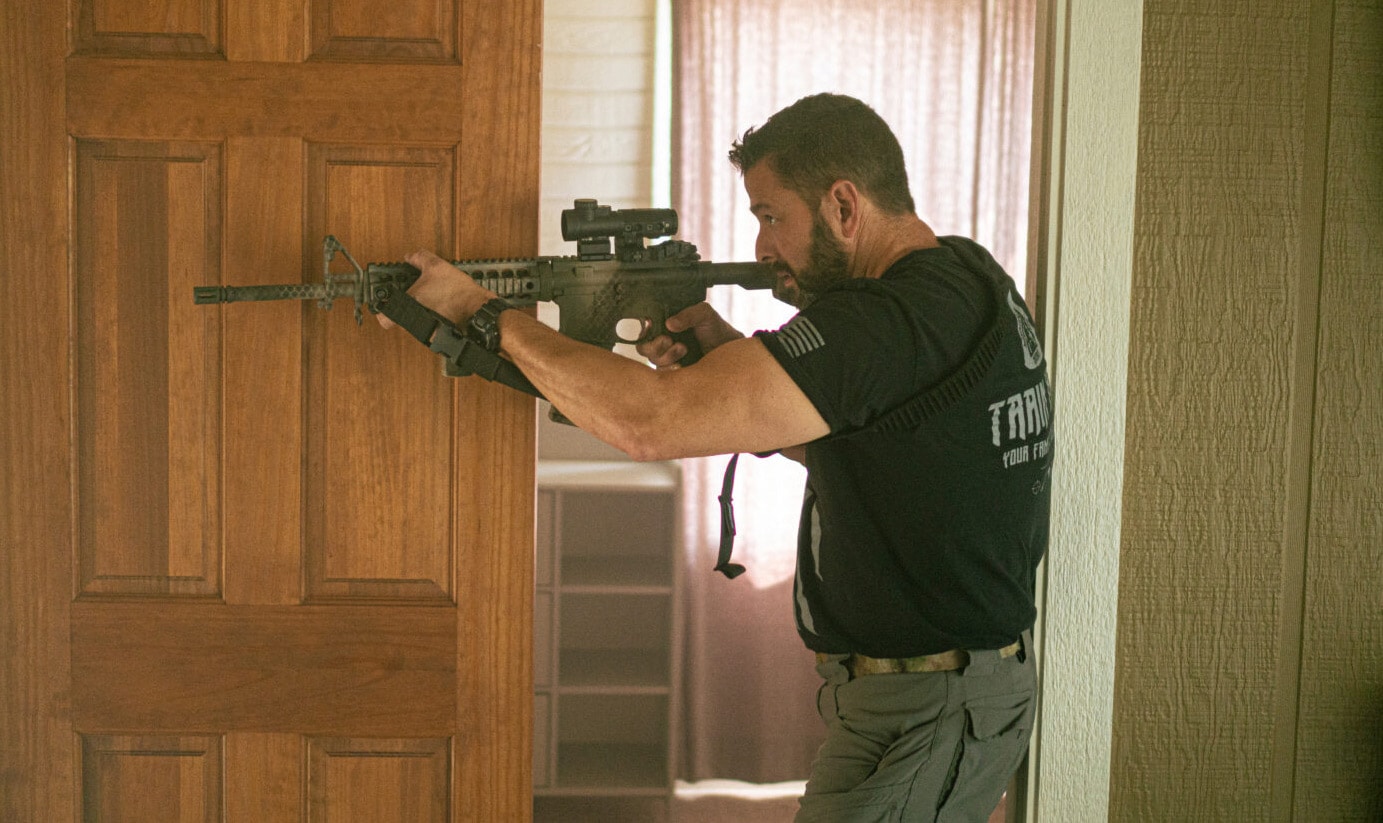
[[912, 386]]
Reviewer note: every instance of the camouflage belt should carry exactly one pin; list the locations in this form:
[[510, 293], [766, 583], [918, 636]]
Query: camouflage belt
[[859, 665]]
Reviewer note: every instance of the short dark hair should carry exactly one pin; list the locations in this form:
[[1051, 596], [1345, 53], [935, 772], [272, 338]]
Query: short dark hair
[[828, 137]]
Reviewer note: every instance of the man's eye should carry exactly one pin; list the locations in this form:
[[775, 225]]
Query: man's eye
[[770, 220]]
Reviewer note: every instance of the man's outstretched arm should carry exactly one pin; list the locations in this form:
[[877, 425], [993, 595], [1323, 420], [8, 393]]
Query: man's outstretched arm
[[736, 398]]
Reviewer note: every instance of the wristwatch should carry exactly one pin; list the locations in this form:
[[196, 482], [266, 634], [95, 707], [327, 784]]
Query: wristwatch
[[483, 328]]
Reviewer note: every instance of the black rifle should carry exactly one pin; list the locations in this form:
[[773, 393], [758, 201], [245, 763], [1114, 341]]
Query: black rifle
[[615, 289]]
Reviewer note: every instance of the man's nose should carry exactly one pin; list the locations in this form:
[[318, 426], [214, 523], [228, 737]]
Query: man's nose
[[764, 250]]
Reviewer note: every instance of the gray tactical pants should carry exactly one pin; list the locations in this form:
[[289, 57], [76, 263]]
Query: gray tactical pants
[[920, 748]]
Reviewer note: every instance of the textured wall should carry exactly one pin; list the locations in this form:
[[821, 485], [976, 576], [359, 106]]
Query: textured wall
[[1249, 682], [1339, 747]]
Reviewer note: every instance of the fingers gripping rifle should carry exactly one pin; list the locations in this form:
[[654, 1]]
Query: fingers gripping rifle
[[615, 289]]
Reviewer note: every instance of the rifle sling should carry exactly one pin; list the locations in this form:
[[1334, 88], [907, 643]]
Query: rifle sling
[[462, 355], [727, 523]]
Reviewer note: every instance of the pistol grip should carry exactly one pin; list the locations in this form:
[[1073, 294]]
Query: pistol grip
[[687, 338]]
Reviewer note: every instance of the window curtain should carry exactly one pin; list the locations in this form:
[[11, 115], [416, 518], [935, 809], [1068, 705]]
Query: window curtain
[[954, 80]]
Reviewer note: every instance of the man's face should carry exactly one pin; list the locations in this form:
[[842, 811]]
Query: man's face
[[794, 238]]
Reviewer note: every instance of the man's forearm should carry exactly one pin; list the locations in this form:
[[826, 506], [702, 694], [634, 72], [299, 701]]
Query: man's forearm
[[735, 399], [608, 395]]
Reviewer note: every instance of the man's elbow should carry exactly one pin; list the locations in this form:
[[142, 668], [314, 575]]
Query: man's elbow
[[648, 434], [651, 430], [646, 445]]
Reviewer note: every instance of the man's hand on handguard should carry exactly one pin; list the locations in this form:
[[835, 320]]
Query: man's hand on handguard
[[710, 329], [443, 288]]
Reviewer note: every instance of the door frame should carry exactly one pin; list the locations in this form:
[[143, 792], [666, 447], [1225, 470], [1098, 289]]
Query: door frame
[[1084, 171]]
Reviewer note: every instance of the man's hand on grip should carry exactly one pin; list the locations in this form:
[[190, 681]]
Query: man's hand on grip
[[710, 329]]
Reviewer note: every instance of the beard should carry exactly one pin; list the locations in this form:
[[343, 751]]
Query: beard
[[827, 265]]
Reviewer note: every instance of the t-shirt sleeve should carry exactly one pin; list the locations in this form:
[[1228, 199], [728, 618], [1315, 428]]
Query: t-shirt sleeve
[[859, 351]]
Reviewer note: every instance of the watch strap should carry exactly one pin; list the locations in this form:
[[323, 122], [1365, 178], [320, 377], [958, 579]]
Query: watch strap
[[483, 328]]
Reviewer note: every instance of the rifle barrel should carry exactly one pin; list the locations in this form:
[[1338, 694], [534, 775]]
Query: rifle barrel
[[288, 291]]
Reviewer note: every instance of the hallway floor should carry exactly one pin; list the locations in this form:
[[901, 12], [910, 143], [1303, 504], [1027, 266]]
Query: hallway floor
[[710, 801]]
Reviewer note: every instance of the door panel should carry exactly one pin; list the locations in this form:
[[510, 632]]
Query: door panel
[[174, 28], [178, 778], [377, 526], [272, 565], [148, 229], [379, 779], [413, 30]]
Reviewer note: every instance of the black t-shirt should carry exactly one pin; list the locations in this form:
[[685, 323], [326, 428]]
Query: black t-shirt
[[924, 539]]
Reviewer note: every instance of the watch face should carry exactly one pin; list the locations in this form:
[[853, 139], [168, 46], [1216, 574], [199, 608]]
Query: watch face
[[483, 327]]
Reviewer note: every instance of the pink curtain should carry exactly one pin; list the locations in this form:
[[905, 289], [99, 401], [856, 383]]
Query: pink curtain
[[954, 79]]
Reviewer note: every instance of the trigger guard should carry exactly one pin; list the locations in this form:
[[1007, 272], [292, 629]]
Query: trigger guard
[[646, 331]]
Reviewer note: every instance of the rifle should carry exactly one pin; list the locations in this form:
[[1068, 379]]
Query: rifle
[[615, 289]]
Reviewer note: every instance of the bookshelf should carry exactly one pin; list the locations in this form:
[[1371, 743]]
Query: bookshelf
[[607, 629]]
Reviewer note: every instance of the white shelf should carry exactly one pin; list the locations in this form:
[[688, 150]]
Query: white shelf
[[608, 548], [608, 475], [612, 671], [612, 766]]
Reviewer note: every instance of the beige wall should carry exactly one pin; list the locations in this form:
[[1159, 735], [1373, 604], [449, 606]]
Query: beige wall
[[1249, 676]]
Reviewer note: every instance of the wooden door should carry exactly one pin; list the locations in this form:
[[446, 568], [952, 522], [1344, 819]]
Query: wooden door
[[259, 564]]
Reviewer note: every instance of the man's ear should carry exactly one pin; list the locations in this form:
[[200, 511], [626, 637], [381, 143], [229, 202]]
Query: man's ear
[[844, 200]]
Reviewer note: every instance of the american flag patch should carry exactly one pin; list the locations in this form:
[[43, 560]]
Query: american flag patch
[[800, 336]]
